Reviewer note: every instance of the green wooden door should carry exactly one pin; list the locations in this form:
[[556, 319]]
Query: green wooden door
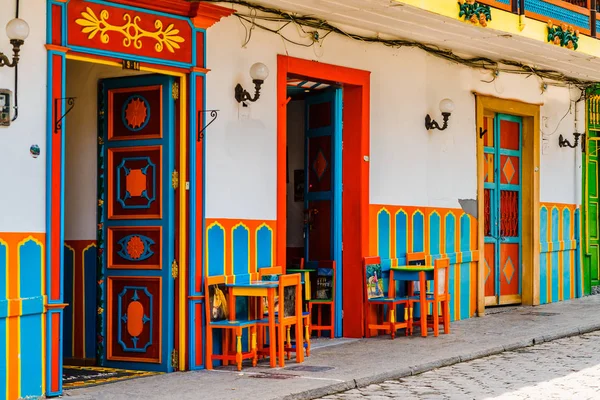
[[591, 242]]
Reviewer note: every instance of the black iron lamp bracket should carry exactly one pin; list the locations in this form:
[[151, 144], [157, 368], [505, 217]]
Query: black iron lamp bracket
[[213, 114], [243, 95], [432, 124], [57, 120], [562, 142], [482, 132], [5, 61]]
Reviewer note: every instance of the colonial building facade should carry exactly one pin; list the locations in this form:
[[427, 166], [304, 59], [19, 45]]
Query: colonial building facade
[[147, 145]]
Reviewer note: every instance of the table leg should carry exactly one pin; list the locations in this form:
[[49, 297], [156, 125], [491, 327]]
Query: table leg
[[423, 302], [272, 334]]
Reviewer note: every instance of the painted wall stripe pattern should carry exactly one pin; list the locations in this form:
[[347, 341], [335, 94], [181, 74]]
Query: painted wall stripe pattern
[[238, 248], [22, 323], [560, 264], [396, 230]]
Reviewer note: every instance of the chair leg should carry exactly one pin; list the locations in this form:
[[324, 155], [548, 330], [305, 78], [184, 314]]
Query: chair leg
[[238, 348], [310, 314], [209, 348], [447, 316], [280, 344], [319, 321], [289, 342], [225, 345], [436, 318], [307, 336], [254, 349], [392, 322], [332, 322]]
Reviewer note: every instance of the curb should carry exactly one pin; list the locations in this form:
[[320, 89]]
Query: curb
[[445, 362]]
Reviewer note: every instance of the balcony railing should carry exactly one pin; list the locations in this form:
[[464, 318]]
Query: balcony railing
[[580, 14]]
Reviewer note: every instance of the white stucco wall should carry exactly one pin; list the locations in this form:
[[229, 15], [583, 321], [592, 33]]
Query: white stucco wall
[[23, 178], [409, 166], [81, 146]]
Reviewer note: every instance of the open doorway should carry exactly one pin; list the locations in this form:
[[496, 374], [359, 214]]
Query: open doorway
[[119, 224], [314, 194]]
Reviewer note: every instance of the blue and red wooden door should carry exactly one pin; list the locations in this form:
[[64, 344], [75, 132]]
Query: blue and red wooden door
[[136, 235], [502, 209], [323, 186]]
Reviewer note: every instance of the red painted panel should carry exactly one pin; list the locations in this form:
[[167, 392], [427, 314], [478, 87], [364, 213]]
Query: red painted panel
[[108, 28], [509, 269], [138, 247], [489, 269], [125, 201], [487, 212], [319, 239], [199, 360], [509, 214], [488, 168], [135, 113], [199, 171], [56, 245], [55, 354], [319, 164], [510, 134], [509, 170], [134, 316], [57, 24], [200, 50]]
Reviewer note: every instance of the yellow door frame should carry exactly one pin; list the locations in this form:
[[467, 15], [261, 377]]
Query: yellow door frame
[[530, 218]]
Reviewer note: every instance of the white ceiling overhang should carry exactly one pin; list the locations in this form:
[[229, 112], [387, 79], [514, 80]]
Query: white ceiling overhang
[[389, 17]]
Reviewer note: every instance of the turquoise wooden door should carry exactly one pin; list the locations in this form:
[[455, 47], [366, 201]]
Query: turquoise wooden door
[[502, 209], [136, 233], [323, 186]]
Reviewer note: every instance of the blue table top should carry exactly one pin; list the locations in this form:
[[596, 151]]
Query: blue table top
[[255, 284]]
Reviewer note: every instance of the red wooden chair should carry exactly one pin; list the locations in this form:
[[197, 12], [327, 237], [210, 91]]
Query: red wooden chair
[[439, 297], [375, 295], [324, 298], [217, 317]]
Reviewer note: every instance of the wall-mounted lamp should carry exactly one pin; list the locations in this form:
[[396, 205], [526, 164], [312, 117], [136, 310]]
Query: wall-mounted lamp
[[259, 73], [562, 142], [446, 107], [17, 31]]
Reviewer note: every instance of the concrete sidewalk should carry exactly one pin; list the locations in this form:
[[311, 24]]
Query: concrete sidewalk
[[340, 365]]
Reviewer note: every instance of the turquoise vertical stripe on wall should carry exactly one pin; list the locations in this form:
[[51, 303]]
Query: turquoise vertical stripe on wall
[[451, 284], [241, 250], [216, 250], [465, 293], [450, 239], [31, 355], [264, 250], [465, 233], [566, 255], [30, 264], [543, 256], [578, 272], [554, 255], [401, 234], [384, 231], [3, 343], [418, 220], [89, 268], [69, 272], [435, 234]]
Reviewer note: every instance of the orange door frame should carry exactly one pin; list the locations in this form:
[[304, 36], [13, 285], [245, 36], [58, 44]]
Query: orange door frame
[[355, 175]]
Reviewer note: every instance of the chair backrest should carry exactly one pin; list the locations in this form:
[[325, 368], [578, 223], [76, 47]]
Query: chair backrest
[[297, 263], [373, 274], [289, 290], [269, 273], [325, 283], [415, 258], [217, 307], [441, 276]]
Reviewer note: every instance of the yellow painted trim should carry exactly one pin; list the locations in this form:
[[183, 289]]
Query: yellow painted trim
[[530, 113], [92, 60], [507, 22]]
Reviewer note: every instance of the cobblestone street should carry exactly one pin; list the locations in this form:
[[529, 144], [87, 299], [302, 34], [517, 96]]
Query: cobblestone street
[[563, 369]]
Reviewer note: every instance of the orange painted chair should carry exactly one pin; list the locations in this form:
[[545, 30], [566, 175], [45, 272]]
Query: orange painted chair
[[324, 297], [273, 273], [375, 295], [288, 308], [439, 297], [217, 317]]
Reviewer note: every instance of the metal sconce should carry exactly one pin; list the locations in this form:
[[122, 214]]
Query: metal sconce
[[562, 142], [17, 31], [446, 107], [259, 73]]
